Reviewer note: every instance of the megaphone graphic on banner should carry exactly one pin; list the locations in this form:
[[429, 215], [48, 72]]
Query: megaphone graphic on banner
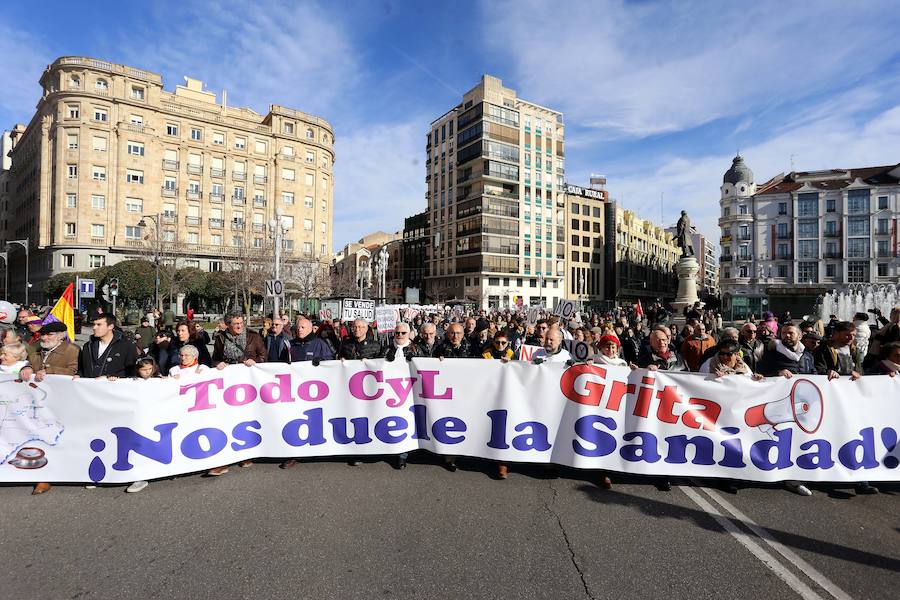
[[802, 406]]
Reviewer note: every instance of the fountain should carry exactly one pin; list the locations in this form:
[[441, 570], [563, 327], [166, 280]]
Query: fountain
[[859, 297]]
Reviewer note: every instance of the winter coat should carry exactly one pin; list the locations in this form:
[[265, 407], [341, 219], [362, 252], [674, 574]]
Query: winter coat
[[117, 361], [309, 348], [675, 362], [254, 349], [353, 349], [447, 350], [409, 351], [62, 360]]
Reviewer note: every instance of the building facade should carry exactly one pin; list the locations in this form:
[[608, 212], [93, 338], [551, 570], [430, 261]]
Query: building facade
[[797, 236], [640, 258], [354, 269], [495, 173], [415, 257], [706, 253], [5, 163], [112, 166], [585, 234]]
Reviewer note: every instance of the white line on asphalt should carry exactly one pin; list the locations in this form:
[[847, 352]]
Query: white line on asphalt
[[817, 577], [755, 549]]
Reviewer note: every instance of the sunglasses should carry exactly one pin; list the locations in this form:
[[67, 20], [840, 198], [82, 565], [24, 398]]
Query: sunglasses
[[726, 353], [401, 333], [501, 342]]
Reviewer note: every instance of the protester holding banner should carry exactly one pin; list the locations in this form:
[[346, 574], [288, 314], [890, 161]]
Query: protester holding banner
[[555, 351], [58, 356], [186, 333], [307, 346], [426, 341], [890, 362], [781, 358], [237, 345], [608, 354], [401, 343], [660, 355], [499, 348], [837, 356], [108, 353], [693, 348], [456, 345], [278, 344], [361, 343]]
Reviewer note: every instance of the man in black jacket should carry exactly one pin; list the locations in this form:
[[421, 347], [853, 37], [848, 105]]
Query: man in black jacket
[[108, 353], [426, 342], [456, 345], [360, 343]]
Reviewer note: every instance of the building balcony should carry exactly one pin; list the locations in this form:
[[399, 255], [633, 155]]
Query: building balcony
[[258, 227], [169, 217], [238, 200], [169, 192], [216, 223], [195, 169], [832, 233], [783, 235], [238, 176], [259, 202], [216, 198], [746, 218], [744, 237], [194, 194], [832, 254], [217, 172], [784, 256], [260, 179], [724, 258], [170, 165], [192, 220], [237, 225]]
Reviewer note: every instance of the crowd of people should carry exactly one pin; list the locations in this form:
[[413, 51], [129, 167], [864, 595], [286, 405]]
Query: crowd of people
[[162, 347]]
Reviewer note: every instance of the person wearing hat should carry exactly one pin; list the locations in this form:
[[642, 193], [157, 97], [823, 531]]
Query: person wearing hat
[[608, 354], [144, 335], [810, 341], [57, 356], [33, 324]]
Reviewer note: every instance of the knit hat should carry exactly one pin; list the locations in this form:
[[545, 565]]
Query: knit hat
[[609, 338]]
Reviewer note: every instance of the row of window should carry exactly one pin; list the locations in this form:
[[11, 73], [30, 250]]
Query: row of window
[[808, 272], [101, 84], [136, 176]]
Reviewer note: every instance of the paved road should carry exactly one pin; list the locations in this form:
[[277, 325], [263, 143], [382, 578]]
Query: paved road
[[327, 530]]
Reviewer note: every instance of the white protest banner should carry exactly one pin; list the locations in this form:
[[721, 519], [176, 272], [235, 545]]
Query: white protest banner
[[585, 416], [565, 309], [386, 317], [353, 308], [330, 310], [534, 314], [580, 351], [529, 353]]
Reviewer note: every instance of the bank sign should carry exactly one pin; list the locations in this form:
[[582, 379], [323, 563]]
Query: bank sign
[[575, 190]]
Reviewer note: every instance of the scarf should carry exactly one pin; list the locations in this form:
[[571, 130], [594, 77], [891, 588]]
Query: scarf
[[234, 346], [613, 362], [193, 364], [719, 369], [789, 352]]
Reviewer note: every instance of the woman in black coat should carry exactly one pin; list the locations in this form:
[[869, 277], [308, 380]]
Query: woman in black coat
[[186, 333]]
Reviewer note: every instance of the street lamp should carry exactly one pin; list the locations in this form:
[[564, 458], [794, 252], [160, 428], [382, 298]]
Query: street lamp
[[381, 272], [143, 223], [5, 256], [24, 243], [363, 273], [278, 226]]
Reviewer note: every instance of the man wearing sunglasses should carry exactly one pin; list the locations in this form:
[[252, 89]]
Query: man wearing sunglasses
[[401, 344], [499, 348]]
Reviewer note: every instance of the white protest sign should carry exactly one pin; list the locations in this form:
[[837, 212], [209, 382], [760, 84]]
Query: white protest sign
[[386, 317], [529, 353], [534, 314], [330, 310], [274, 287], [565, 309], [354, 308]]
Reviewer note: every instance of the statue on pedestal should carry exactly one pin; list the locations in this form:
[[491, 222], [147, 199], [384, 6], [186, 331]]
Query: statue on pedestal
[[687, 267], [683, 235]]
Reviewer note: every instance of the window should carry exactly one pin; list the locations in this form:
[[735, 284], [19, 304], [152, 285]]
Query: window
[[857, 271], [808, 229], [134, 176], [70, 229], [322, 227], [194, 187], [196, 134], [858, 226], [287, 244], [831, 228], [97, 260], [808, 204], [858, 248], [307, 224], [830, 270], [137, 92], [218, 138], [137, 120], [168, 210], [101, 84], [74, 81], [309, 179], [782, 270], [882, 227], [237, 240], [72, 111], [742, 209], [310, 157], [67, 261], [98, 143], [324, 206], [135, 148], [882, 270], [288, 150], [168, 235], [260, 147], [98, 173], [882, 204], [287, 174], [322, 250], [310, 134], [72, 141], [170, 183], [71, 201], [101, 114], [193, 237], [808, 272], [575, 210], [288, 128], [98, 230], [307, 248], [782, 208], [308, 202], [240, 143], [858, 201], [134, 205], [830, 205], [324, 183], [172, 129], [287, 197], [215, 239], [98, 202], [133, 232], [239, 192]]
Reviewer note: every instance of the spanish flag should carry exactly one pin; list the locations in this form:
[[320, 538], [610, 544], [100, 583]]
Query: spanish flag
[[64, 311]]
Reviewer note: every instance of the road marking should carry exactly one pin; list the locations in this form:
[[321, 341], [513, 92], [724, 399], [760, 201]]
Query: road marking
[[817, 577], [755, 549]]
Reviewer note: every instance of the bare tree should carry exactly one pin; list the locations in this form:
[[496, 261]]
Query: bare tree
[[309, 278]]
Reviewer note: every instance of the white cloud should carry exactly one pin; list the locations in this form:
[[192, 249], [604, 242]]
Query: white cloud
[[379, 178], [636, 70]]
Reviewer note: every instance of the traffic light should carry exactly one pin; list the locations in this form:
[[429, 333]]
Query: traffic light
[[114, 286]]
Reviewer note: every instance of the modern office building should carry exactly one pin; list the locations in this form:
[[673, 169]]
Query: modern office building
[[415, 258], [797, 236], [585, 231], [640, 258], [495, 173], [112, 166]]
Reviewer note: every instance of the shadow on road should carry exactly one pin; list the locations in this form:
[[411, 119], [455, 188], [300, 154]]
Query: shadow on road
[[658, 509]]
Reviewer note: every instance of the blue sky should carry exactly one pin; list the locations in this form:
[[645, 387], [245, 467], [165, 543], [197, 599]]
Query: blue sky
[[658, 96]]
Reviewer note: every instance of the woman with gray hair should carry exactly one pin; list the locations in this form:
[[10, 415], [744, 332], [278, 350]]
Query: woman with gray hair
[[189, 364]]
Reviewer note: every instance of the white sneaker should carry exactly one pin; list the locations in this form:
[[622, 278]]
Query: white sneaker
[[798, 488], [137, 486]]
